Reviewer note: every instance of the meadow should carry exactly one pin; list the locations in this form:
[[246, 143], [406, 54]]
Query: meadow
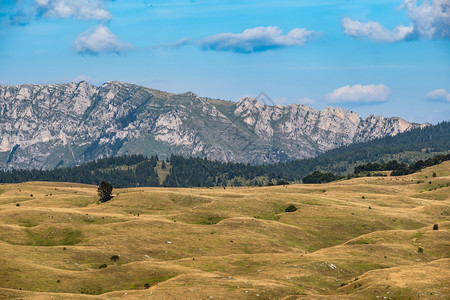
[[365, 238]]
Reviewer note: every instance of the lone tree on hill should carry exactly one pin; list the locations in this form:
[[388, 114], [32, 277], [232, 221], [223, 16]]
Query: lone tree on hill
[[104, 191], [291, 208]]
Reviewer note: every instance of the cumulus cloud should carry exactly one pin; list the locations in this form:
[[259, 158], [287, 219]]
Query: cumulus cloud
[[80, 9], [375, 31], [430, 19], [360, 94], [99, 40], [438, 95], [256, 40]]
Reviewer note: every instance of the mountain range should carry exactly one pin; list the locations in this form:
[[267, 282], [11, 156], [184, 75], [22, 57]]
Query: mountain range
[[48, 126]]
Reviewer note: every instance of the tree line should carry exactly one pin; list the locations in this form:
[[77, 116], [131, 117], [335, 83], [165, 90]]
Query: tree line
[[196, 172], [399, 169], [120, 171]]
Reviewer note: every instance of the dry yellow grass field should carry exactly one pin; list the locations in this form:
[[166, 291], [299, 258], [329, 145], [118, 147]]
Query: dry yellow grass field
[[366, 238]]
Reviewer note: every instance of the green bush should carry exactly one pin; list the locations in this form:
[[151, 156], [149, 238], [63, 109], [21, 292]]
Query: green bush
[[319, 177], [291, 208], [282, 182]]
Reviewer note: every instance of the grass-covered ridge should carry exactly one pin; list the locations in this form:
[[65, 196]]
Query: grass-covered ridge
[[361, 238]]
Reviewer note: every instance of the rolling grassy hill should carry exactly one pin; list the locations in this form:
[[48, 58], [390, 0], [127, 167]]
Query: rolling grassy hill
[[365, 238]]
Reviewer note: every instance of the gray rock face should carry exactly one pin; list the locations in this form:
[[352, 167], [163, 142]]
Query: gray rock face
[[47, 126]]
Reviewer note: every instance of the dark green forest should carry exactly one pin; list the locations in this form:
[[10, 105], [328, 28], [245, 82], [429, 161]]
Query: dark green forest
[[399, 169], [403, 154], [121, 171]]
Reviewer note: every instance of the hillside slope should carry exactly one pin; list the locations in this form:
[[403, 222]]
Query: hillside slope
[[47, 126], [366, 238]]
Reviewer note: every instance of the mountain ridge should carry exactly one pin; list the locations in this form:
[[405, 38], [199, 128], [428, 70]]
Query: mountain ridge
[[46, 126]]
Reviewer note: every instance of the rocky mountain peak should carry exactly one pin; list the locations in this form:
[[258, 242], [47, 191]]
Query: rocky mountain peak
[[43, 126]]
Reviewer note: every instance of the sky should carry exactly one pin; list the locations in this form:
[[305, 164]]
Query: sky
[[384, 57]]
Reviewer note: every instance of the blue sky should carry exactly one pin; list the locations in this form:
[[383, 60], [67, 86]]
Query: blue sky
[[385, 57]]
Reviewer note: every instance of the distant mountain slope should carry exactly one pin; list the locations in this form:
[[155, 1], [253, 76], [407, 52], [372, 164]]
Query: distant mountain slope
[[47, 126]]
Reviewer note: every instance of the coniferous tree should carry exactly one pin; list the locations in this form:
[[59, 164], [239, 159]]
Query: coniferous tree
[[104, 191]]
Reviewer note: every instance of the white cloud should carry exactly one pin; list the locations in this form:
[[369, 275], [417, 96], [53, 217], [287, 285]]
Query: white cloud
[[81, 9], [438, 95], [360, 93], [256, 39], [99, 40], [430, 19], [375, 31]]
